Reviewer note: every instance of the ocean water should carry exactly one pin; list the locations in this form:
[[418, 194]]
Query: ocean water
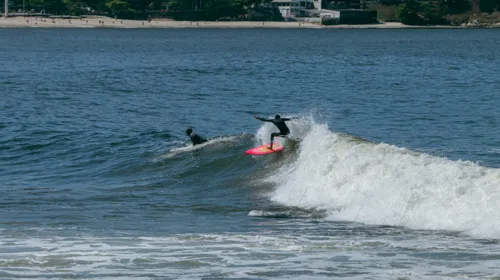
[[392, 170]]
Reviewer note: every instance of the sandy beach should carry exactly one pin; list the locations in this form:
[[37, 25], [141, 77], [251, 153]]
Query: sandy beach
[[106, 22]]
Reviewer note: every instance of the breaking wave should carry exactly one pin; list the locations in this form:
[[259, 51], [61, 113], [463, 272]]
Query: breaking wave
[[356, 180]]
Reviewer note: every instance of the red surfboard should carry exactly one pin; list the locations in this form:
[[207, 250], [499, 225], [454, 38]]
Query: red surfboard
[[265, 149]]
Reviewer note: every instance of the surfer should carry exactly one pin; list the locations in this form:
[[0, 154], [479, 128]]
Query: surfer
[[195, 138], [280, 124]]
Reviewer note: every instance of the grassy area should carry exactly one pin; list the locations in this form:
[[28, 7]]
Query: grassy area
[[385, 13]]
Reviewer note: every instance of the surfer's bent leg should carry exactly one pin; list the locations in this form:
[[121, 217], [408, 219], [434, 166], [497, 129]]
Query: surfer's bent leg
[[274, 134]]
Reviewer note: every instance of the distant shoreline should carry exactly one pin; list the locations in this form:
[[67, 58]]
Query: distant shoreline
[[106, 22]]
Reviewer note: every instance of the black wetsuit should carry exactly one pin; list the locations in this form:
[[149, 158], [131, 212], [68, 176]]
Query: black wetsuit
[[196, 139], [280, 124]]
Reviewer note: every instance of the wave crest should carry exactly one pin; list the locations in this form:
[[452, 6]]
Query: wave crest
[[355, 180]]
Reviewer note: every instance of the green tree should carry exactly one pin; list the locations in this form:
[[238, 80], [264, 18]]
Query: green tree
[[74, 7], [98, 5], [432, 12], [223, 8], [409, 13], [122, 9], [488, 6], [180, 4], [36, 5], [453, 7], [118, 6], [55, 6], [155, 4], [139, 5]]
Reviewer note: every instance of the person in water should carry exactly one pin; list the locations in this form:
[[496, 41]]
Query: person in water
[[195, 138], [280, 124]]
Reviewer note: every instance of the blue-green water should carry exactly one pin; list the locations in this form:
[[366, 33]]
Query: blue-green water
[[394, 173]]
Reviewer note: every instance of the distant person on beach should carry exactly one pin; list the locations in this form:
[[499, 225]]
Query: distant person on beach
[[280, 124], [195, 138]]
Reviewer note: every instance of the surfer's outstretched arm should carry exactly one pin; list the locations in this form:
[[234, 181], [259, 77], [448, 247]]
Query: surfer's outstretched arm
[[262, 119], [289, 119]]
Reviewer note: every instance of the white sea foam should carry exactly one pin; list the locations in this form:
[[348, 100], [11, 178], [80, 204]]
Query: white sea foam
[[190, 147], [304, 255], [495, 151], [383, 184], [280, 214]]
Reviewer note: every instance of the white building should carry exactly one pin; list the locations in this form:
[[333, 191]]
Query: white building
[[291, 8]]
